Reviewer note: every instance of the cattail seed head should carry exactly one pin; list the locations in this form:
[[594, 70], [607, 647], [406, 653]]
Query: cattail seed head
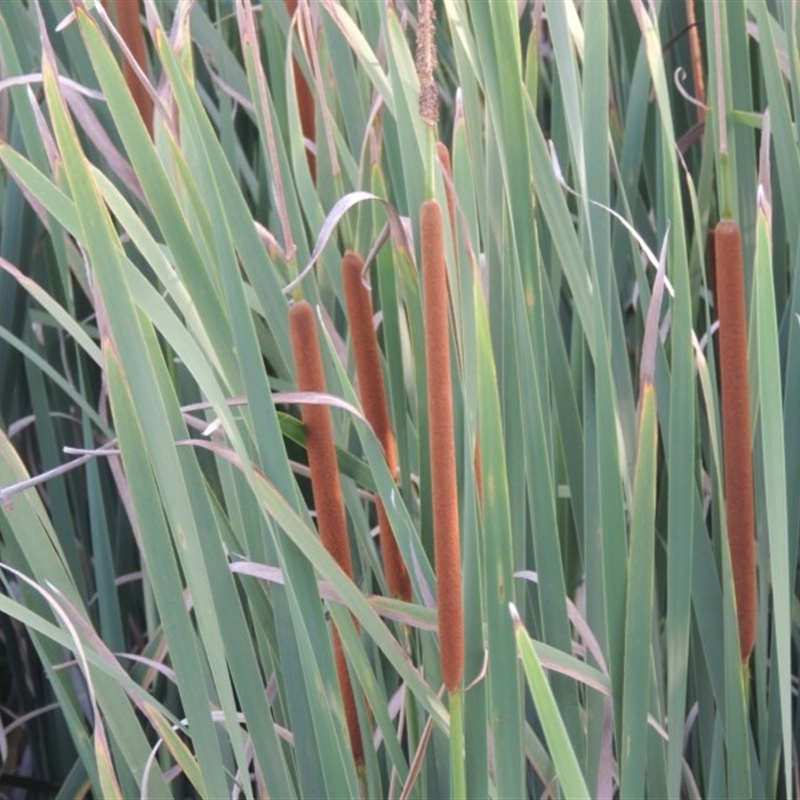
[[373, 398], [442, 445], [736, 427], [325, 485], [319, 436]]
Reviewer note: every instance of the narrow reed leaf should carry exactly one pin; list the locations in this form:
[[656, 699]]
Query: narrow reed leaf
[[772, 425], [155, 179], [48, 194], [779, 104], [639, 607], [50, 371], [566, 763], [408, 161], [259, 88], [505, 700], [363, 52], [647, 365]]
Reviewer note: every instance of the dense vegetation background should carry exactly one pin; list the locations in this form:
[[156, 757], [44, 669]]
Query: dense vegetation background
[[176, 176]]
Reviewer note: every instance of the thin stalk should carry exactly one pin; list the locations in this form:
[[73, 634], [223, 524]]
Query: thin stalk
[[372, 391], [325, 485], [736, 428], [443, 155], [430, 161], [458, 775]]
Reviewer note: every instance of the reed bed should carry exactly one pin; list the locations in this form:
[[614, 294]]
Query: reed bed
[[584, 581]]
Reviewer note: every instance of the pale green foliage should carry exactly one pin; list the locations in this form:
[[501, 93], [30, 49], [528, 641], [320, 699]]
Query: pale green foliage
[[169, 594]]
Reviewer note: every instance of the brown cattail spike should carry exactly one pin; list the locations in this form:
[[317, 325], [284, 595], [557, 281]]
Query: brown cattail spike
[[325, 485], [319, 437], [442, 446], [130, 29], [736, 427], [373, 398]]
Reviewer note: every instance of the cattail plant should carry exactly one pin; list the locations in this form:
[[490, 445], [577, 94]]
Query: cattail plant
[[373, 398], [444, 490], [738, 463], [130, 29], [325, 485]]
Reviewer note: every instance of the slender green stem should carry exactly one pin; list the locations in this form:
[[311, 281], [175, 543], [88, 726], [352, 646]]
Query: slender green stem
[[363, 787], [413, 724], [458, 776], [746, 683], [430, 163], [726, 206]]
